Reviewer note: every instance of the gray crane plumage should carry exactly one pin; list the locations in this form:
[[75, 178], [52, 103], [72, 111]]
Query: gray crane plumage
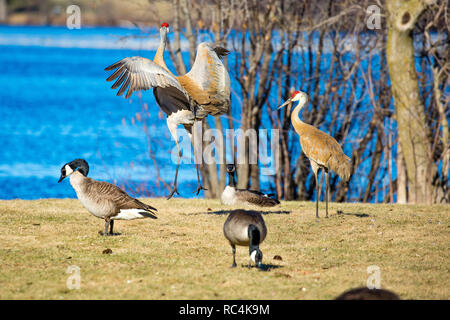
[[204, 90]]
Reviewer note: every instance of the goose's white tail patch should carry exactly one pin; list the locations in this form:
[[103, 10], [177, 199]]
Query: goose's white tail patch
[[131, 214], [253, 256]]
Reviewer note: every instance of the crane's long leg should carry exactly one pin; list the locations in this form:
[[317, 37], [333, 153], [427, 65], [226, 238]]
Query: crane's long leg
[[199, 186], [173, 131], [192, 136], [175, 189], [315, 169], [317, 195], [327, 187]]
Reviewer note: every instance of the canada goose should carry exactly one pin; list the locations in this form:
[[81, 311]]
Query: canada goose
[[232, 196], [104, 200], [246, 228]]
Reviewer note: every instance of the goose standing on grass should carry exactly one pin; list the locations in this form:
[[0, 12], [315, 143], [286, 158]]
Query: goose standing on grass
[[104, 200], [233, 196], [246, 228]]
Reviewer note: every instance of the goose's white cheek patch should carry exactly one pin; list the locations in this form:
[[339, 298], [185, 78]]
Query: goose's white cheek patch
[[69, 170]]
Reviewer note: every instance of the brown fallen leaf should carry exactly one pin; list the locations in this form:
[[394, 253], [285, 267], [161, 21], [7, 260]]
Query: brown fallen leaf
[[285, 275], [107, 251], [277, 257], [305, 272]]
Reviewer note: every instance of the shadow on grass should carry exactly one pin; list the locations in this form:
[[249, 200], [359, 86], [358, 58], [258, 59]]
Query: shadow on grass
[[264, 267], [221, 212], [115, 234], [268, 267], [359, 215]]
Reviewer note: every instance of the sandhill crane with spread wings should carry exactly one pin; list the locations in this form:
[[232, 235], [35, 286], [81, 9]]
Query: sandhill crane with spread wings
[[322, 150], [203, 91]]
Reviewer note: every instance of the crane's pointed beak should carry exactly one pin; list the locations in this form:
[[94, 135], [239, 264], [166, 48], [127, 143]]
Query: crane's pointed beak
[[285, 103]]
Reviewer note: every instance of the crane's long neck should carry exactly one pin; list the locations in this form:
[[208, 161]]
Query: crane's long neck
[[159, 56], [298, 124]]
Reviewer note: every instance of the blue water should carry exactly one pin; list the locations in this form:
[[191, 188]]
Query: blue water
[[56, 106]]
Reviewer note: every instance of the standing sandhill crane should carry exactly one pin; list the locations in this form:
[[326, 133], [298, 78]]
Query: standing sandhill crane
[[204, 90], [322, 150]]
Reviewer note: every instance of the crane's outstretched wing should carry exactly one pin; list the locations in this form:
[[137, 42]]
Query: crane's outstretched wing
[[171, 100], [208, 82], [137, 73]]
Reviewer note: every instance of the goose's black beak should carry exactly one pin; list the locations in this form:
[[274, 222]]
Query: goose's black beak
[[61, 179]]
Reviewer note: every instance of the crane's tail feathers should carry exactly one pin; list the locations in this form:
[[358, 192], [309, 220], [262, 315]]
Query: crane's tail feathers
[[341, 165]]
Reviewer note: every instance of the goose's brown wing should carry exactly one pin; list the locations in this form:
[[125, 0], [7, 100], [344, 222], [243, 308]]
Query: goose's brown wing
[[118, 198], [256, 198]]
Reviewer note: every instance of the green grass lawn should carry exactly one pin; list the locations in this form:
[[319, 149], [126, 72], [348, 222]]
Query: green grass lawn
[[184, 255]]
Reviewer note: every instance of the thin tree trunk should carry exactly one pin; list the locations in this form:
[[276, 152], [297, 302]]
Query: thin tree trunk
[[181, 68], [3, 10]]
